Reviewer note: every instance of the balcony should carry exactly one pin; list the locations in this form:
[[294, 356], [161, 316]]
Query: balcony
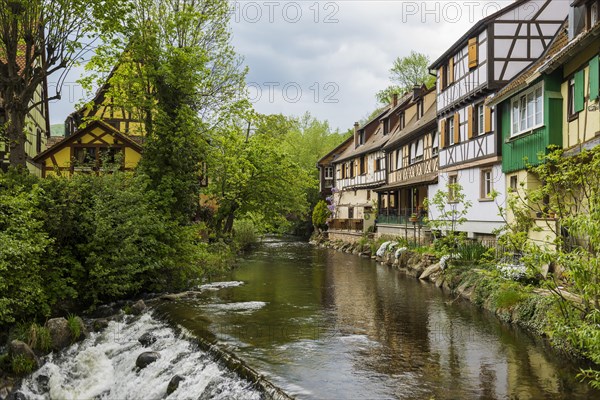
[[349, 225], [400, 217]]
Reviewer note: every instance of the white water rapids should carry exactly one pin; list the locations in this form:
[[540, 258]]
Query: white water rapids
[[103, 367]]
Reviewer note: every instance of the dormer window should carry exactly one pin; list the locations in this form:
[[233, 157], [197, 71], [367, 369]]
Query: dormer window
[[420, 109], [386, 126], [402, 120], [360, 138]]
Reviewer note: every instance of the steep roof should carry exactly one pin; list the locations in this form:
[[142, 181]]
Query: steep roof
[[414, 127], [338, 149], [479, 26], [561, 56]]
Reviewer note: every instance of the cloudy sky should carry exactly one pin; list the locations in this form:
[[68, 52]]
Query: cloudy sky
[[329, 57]]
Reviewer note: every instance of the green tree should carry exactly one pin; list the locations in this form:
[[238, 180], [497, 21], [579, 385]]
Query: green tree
[[39, 38], [451, 208], [178, 71], [254, 176], [320, 215], [405, 74], [23, 243]]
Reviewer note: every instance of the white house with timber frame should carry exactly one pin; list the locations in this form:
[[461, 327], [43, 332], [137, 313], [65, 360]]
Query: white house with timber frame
[[483, 60]]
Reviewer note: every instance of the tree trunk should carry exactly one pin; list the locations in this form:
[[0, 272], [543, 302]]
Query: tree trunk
[[15, 133], [229, 223]]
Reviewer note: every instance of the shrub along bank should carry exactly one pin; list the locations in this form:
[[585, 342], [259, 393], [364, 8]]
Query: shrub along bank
[[472, 272]]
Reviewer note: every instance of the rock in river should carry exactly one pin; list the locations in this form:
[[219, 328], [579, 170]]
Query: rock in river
[[146, 358]]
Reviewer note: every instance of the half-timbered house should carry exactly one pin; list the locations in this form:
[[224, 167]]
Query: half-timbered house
[[359, 170], [412, 160], [482, 61], [327, 169]]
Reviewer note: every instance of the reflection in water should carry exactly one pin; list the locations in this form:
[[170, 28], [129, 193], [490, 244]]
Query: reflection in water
[[323, 324]]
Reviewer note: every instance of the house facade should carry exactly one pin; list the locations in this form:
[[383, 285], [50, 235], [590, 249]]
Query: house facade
[[95, 148], [412, 165], [359, 170], [326, 168], [482, 61]]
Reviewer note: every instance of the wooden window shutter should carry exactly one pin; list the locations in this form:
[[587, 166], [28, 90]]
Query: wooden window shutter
[[443, 134], [473, 53], [487, 118], [579, 92], [375, 165], [594, 78], [471, 123], [442, 77], [451, 71], [456, 127]]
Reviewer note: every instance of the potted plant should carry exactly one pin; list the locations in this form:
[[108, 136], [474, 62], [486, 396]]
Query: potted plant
[[413, 218]]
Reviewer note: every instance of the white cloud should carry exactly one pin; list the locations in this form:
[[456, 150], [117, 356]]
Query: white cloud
[[338, 53]]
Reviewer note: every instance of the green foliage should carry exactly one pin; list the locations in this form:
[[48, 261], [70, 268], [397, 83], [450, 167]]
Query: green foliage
[[74, 326], [471, 251], [320, 215], [22, 365], [406, 73], [22, 246], [508, 296], [39, 338], [451, 207], [254, 175], [245, 235], [91, 239]]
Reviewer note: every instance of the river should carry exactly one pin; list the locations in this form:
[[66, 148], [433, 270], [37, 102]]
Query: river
[[319, 324]]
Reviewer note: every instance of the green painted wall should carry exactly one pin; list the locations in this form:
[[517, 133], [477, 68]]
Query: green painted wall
[[522, 150]]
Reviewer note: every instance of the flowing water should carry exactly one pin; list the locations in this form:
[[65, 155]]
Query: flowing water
[[320, 325], [103, 367], [327, 325]]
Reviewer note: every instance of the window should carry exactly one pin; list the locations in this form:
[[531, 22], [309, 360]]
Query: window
[[363, 165], [452, 189], [420, 109], [576, 101], [443, 78], [486, 184], [386, 126], [380, 164], [368, 195], [527, 110], [435, 143], [571, 100], [450, 130], [328, 172], [473, 53], [38, 141], [513, 182], [402, 121], [84, 157], [350, 212], [399, 158], [479, 120], [352, 166], [360, 138], [416, 151]]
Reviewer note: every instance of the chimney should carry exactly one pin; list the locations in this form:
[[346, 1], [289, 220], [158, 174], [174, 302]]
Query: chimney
[[416, 92], [356, 127], [394, 100]]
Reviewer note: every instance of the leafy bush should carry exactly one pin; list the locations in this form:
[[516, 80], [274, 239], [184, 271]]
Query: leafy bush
[[39, 338], [74, 326], [245, 235], [320, 215], [22, 365]]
